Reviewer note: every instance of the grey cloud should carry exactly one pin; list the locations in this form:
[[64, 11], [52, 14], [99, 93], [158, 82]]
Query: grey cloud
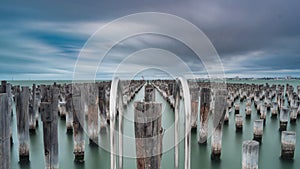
[[251, 36]]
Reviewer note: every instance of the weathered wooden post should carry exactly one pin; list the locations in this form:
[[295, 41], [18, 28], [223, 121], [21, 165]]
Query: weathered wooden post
[[218, 119], [3, 86], [268, 104], [274, 109], [22, 108], [294, 114], [62, 109], [116, 104], [237, 108], [9, 97], [93, 129], [250, 154], [194, 101], [256, 98], [238, 122], [7, 89], [43, 91], [62, 103], [149, 93], [263, 113], [125, 99], [49, 117], [226, 117], [38, 103], [248, 111], [107, 100], [298, 110], [288, 144], [284, 115], [84, 98], [102, 107], [281, 101], [33, 110], [69, 113], [148, 133], [258, 106], [204, 114], [258, 127], [248, 102], [5, 161], [78, 123]]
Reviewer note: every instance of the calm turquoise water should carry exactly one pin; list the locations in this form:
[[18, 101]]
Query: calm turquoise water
[[231, 153]]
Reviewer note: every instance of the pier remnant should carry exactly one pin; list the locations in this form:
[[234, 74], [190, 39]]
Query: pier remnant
[[205, 99], [22, 107], [263, 113], [7, 89], [284, 115], [238, 122], [258, 127], [237, 108], [92, 103], [274, 109], [148, 131], [49, 118], [248, 111], [288, 144], [250, 154], [102, 107], [148, 134], [69, 110], [294, 114], [226, 117], [218, 119], [62, 110], [116, 105], [5, 154], [182, 91], [78, 123], [194, 101], [149, 93], [33, 110]]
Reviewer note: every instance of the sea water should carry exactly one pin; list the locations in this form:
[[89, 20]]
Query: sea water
[[231, 157]]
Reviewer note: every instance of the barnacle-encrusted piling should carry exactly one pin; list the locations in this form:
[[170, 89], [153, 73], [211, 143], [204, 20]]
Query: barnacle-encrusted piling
[[205, 99], [250, 154]]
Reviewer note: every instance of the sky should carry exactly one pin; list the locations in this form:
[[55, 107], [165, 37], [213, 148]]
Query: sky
[[42, 40]]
